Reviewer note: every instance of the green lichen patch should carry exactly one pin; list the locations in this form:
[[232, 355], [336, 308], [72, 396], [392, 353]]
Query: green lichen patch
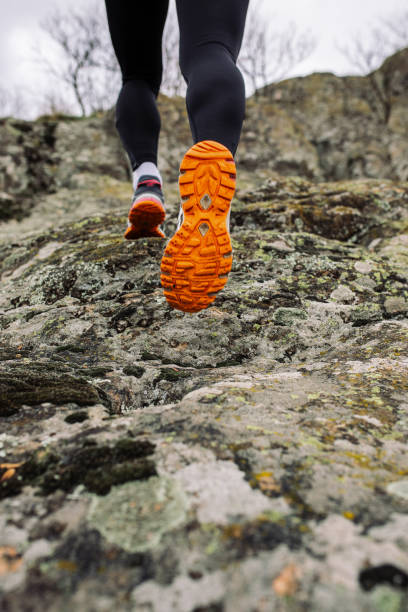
[[286, 316], [388, 340], [315, 270], [135, 516], [377, 393]]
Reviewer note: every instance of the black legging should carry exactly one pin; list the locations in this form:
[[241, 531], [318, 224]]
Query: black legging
[[210, 39]]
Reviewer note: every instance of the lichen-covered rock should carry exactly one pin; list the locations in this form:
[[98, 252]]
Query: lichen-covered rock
[[334, 128], [265, 427], [249, 457], [320, 127]]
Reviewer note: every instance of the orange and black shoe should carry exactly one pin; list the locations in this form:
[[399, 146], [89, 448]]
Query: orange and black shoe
[[147, 211], [198, 258]]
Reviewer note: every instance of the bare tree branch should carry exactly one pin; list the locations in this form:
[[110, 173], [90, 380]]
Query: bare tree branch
[[268, 55], [367, 53], [84, 62], [83, 57]]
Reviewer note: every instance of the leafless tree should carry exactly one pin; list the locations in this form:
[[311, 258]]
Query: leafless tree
[[83, 58], [268, 54], [367, 52], [85, 63]]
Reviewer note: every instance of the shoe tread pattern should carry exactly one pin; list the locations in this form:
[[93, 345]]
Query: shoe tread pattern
[[198, 258]]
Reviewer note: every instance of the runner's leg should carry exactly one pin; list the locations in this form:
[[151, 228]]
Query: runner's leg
[[136, 30], [198, 258], [210, 40]]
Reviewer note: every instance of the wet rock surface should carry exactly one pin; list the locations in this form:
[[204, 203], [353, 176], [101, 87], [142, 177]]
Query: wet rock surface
[[250, 457]]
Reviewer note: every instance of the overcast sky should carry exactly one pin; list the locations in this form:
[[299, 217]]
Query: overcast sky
[[329, 20]]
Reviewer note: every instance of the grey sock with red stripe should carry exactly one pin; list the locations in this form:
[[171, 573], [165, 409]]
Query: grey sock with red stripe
[[148, 186], [146, 169]]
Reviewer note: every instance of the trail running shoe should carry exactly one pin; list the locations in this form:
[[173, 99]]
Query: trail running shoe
[[198, 258], [147, 211]]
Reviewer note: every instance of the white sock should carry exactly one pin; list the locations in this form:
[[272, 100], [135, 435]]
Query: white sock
[[146, 168]]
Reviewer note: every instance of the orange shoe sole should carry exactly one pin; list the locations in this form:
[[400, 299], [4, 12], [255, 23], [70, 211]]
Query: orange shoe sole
[[198, 258], [145, 217]]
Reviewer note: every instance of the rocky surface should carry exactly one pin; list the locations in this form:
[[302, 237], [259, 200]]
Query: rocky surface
[[320, 127], [333, 128], [251, 457]]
